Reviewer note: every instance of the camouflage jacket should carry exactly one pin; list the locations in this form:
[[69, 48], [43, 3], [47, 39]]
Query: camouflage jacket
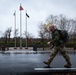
[[56, 38]]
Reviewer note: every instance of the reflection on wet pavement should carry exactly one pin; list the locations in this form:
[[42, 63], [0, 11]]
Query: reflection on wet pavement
[[25, 61]]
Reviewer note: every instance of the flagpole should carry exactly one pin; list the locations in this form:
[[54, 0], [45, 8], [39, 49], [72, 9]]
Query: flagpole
[[26, 30], [20, 29], [15, 27]]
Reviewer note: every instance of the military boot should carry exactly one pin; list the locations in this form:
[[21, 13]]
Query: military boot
[[68, 65], [47, 63]]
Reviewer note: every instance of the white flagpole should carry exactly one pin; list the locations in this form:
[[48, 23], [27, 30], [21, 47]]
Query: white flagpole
[[15, 27], [20, 30], [26, 29]]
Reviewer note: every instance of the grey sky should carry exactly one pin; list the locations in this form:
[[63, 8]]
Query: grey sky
[[38, 11]]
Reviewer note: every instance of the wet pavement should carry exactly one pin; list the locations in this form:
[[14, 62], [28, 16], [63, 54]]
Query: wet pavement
[[26, 62]]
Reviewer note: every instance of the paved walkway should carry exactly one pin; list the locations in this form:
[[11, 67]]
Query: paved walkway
[[32, 64], [27, 62]]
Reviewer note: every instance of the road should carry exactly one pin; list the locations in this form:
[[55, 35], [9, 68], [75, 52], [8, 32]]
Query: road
[[17, 63]]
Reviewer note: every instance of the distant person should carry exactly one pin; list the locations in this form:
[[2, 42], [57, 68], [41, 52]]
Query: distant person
[[58, 47]]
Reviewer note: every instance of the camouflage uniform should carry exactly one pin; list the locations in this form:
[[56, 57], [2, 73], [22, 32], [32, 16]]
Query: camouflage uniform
[[58, 47]]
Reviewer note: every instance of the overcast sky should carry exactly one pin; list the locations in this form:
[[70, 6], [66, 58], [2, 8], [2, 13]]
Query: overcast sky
[[38, 10]]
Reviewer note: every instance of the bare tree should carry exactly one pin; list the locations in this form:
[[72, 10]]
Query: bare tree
[[16, 33], [62, 23], [73, 29], [29, 35], [8, 31], [44, 32], [5, 37], [52, 19], [41, 31]]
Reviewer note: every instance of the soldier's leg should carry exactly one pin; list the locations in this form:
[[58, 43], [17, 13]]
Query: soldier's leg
[[67, 58], [54, 53]]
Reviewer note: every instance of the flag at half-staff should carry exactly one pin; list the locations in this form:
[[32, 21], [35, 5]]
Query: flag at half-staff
[[27, 15]]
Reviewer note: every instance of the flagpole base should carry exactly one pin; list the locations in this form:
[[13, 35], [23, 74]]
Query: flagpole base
[[26, 47], [15, 47], [20, 47]]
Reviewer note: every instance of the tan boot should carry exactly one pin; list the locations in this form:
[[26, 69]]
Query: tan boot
[[68, 65], [47, 63]]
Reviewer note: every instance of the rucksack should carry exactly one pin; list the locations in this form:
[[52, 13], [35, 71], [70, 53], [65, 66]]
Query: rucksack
[[63, 35]]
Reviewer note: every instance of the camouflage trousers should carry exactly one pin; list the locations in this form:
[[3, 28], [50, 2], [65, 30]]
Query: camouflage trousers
[[62, 52]]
